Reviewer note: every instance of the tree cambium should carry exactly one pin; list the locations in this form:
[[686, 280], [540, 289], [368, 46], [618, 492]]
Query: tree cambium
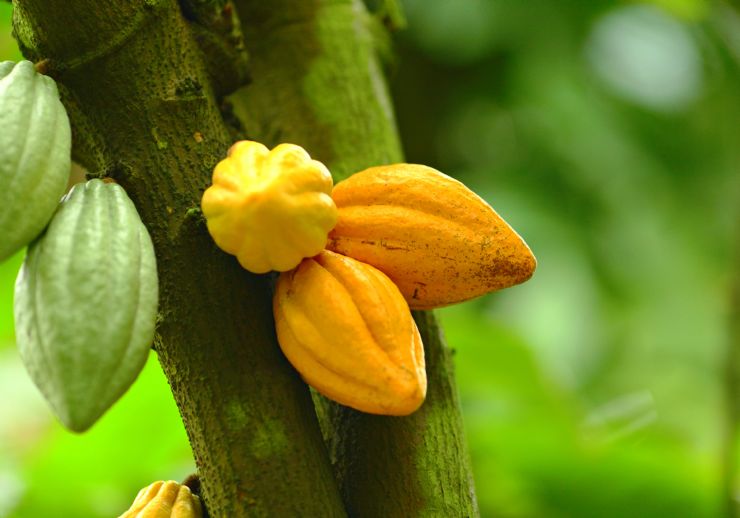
[[35, 144]]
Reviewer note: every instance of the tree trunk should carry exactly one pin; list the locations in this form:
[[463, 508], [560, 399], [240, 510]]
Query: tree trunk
[[143, 112], [142, 100], [318, 83]]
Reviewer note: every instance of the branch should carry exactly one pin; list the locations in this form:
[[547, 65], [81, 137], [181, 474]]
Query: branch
[[143, 112], [217, 30], [318, 83]]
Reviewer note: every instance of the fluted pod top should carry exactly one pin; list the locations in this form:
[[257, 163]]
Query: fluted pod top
[[347, 330], [269, 208]]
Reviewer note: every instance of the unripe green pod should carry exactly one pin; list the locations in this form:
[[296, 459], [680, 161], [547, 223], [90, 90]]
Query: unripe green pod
[[86, 303], [35, 146]]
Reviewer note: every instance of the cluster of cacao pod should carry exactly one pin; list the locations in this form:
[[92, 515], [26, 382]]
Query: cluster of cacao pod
[[86, 295], [355, 258]]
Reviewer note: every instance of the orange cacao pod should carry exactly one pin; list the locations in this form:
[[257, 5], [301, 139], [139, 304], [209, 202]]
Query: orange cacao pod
[[435, 238], [348, 331]]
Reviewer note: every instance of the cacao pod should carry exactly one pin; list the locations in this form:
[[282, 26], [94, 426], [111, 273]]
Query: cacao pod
[[348, 331], [269, 208], [435, 238], [35, 144], [165, 500], [86, 303]]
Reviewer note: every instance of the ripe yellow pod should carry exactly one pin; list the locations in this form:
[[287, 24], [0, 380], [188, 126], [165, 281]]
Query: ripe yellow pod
[[269, 208], [435, 238], [348, 331], [165, 500]]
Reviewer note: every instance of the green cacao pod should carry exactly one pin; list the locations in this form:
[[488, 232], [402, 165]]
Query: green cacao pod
[[86, 303], [35, 146]]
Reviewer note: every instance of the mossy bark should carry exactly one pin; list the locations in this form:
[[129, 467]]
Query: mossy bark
[[318, 83], [143, 112], [142, 99]]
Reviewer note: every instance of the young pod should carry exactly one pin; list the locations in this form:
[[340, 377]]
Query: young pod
[[165, 500], [348, 331], [435, 238], [35, 144], [86, 303], [269, 208]]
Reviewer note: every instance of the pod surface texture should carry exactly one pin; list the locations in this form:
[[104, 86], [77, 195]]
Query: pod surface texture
[[348, 331], [35, 147], [436, 239], [86, 303], [269, 208]]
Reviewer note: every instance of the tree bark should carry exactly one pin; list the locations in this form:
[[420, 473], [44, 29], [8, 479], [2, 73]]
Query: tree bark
[[318, 83], [143, 112]]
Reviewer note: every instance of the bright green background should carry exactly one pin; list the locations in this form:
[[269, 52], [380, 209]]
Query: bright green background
[[607, 134]]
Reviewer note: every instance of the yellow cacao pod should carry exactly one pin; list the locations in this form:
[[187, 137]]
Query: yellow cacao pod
[[165, 500], [348, 331], [435, 238], [269, 208]]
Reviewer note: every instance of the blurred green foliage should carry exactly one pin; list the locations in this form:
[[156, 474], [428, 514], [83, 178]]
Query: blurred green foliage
[[607, 134]]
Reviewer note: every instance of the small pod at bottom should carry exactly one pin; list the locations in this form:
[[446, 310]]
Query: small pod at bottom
[[347, 330], [165, 500]]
